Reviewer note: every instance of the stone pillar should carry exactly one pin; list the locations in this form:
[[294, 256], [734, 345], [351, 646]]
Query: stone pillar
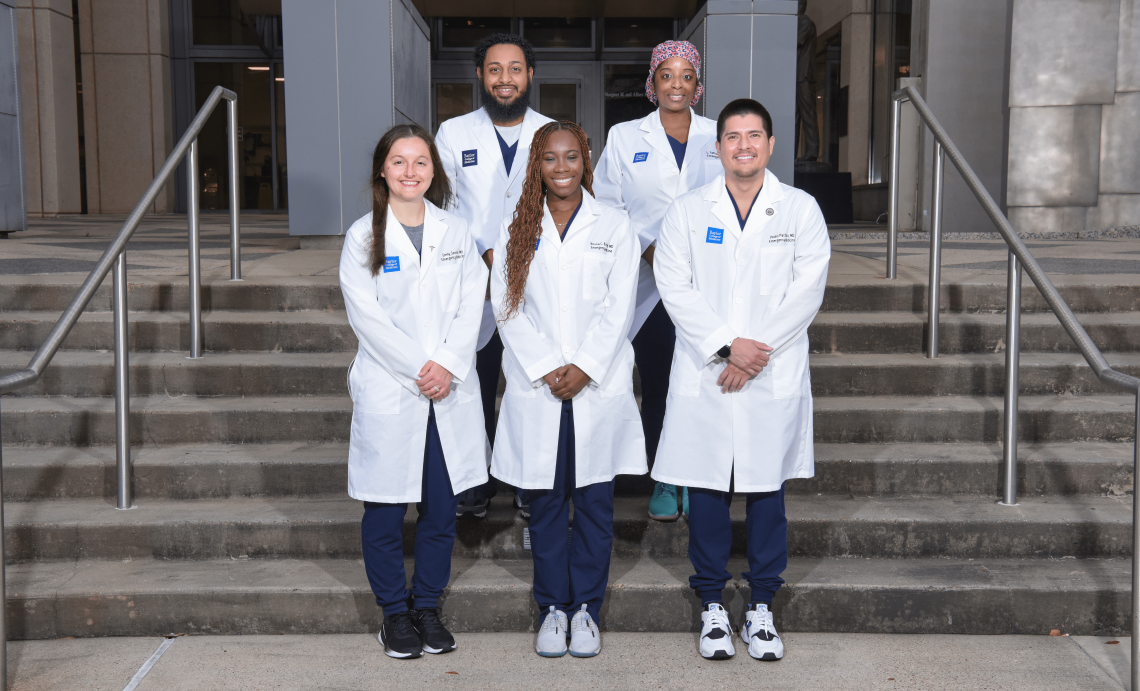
[[748, 49], [1119, 201], [356, 67], [128, 124], [855, 74], [1062, 95], [13, 192], [48, 100]]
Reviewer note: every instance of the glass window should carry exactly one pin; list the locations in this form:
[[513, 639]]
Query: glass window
[[637, 32], [557, 32], [465, 32], [891, 26], [558, 101], [625, 94], [453, 100], [236, 22], [282, 162]]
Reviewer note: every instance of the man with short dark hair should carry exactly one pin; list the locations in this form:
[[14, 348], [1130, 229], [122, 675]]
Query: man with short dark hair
[[484, 154], [741, 265]]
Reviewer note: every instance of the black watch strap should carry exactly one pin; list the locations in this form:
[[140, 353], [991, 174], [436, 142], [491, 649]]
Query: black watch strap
[[724, 352]]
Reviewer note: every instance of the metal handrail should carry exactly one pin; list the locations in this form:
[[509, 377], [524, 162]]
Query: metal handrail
[[115, 257], [1019, 257]]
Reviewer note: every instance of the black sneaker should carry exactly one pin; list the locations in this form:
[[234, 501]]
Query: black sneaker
[[399, 637], [472, 503], [435, 638], [522, 505]]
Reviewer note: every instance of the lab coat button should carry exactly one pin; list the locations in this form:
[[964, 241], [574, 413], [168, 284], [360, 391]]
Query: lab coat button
[[424, 406], [739, 300], [564, 308], [740, 262], [508, 195], [566, 349], [564, 267]]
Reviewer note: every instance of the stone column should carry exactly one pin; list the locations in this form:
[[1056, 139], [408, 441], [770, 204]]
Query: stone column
[[855, 74], [48, 99], [1119, 201], [13, 191], [128, 125]]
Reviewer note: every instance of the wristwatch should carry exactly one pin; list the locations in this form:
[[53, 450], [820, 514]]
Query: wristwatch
[[724, 352]]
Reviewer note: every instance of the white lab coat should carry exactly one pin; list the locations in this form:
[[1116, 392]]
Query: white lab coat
[[638, 173], [717, 283], [416, 309], [577, 306], [484, 192]]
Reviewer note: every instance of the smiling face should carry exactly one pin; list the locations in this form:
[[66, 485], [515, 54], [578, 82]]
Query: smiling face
[[408, 169], [505, 74], [675, 83], [562, 164], [745, 146]]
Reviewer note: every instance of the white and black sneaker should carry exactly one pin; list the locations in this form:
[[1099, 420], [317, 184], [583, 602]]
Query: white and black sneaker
[[759, 632], [433, 634], [716, 633], [552, 636], [585, 639], [399, 638], [522, 504]]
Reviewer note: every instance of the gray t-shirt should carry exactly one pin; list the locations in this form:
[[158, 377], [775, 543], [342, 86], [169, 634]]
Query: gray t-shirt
[[416, 235]]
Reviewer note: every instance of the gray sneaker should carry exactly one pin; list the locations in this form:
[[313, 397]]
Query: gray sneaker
[[552, 636], [585, 639]]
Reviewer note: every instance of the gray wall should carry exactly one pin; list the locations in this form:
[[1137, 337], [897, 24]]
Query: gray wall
[[356, 67], [13, 202], [748, 49], [960, 52]]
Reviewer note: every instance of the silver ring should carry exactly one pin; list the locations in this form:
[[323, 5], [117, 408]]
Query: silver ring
[[437, 388]]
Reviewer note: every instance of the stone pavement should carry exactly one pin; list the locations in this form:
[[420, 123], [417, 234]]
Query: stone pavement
[[815, 662]]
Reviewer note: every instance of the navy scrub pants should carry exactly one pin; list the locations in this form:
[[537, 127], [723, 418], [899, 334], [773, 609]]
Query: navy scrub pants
[[568, 574], [710, 539], [381, 533], [653, 353]]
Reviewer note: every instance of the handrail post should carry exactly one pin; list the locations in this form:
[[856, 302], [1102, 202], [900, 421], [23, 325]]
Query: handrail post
[[235, 228], [1012, 362], [1134, 619], [893, 209], [933, 291], [195, 251], [122, 387]]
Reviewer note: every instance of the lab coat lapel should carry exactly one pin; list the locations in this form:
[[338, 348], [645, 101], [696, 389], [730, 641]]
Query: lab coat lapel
[[656, 138], [694, 151], [435, 226], [586, 216], [771, 193], [489, 142], [522, 153], [722, 207], [395, 235]]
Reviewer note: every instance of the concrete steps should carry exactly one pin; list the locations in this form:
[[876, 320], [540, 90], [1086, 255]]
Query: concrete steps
[[266, 596], [329, 527]]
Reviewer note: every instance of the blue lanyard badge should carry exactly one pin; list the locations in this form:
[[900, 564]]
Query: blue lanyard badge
[[391, 264], [715, 236]]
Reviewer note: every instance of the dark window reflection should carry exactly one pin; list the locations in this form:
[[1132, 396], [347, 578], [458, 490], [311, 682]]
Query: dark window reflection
[[637, 32], [557, 32], [625, 94], [465, 32]]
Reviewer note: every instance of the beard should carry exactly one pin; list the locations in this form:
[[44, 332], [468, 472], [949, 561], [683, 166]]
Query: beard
[[505, 112]]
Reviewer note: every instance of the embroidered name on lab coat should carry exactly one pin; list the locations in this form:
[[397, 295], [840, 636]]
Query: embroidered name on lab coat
[[602, 246], [711, 154], [715, 236], [391, 264], [470, 157], [640, 156], [779, 238], [451, 256]]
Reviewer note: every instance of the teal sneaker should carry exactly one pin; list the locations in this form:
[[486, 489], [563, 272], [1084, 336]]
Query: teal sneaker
[[663, 505], [685, 502]]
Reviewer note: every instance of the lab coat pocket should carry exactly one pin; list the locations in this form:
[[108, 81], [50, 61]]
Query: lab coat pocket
[[372, 388], [449, 286], [789, 371], [776, 270], [685, 375], [595, 272]]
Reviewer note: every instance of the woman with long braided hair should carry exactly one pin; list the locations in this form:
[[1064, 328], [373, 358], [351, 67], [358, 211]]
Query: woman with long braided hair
[[563, 284]]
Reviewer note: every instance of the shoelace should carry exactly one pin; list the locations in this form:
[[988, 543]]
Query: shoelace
[[403, 625], [429, 621], [582, 623], [765, 621], [662, 489], [551, 623], [718, 618]]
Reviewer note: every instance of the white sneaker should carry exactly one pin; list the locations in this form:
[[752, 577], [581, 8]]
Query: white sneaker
[[716, 633], [585, 639], [552, 636], [759, 632]]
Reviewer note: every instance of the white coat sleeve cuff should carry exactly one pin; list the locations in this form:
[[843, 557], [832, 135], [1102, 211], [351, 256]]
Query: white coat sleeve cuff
[[542, 368], [720, 338], [592, 369], [451, 363]]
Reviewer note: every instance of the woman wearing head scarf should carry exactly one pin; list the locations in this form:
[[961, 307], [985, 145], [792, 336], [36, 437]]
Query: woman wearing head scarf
[[646, 164]]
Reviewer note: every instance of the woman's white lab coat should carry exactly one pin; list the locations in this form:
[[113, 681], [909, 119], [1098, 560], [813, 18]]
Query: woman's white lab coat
[[638, 173], [576, 309], [414, 310], [717, 283]]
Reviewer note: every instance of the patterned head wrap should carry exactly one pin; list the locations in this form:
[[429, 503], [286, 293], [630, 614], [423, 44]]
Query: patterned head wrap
[[674, 49]]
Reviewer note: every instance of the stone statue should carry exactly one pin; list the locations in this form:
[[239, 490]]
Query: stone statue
[[805, 87]]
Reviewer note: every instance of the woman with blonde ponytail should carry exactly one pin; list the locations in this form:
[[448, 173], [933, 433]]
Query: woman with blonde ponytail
[[563, 284]]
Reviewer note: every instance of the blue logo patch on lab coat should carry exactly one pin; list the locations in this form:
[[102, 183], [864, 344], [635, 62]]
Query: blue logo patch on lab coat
[[470, 157], [536, 243], [640, 156], [715, 236], [391, 264]]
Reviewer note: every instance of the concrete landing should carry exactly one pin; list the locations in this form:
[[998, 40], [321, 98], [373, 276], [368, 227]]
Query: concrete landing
[[820, 662]]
